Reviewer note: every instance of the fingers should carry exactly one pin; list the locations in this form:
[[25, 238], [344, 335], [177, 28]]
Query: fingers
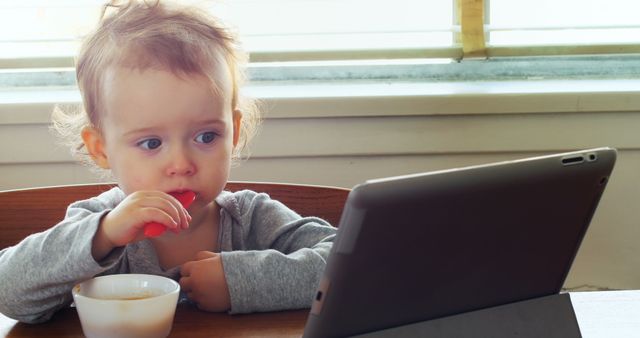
[[157, 206], [204, 282], [185, 218], [204, 255], [186, 285], [150, 214], [172, 207], [126, 223], [186, 268]]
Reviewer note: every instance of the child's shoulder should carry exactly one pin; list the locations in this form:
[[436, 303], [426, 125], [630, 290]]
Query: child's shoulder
[[106, 200], [239, 199], [245, 201]]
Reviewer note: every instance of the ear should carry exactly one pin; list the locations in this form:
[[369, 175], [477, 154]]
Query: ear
[[94, 142], [237, 122]]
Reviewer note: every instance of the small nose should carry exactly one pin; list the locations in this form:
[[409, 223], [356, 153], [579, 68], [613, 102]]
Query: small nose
[[180, 164]]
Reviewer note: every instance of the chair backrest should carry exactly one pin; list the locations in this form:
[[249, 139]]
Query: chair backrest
[[27, 211]]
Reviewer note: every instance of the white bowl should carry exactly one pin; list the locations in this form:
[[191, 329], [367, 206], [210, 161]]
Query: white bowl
[[126, 305]]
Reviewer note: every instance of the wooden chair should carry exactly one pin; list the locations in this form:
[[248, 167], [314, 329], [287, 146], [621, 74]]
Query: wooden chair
[[27, 211]]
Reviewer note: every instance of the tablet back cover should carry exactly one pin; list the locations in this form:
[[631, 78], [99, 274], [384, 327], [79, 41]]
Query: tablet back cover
[[435, 244]]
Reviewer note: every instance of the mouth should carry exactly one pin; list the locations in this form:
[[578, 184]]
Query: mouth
[[186, 197], [179, 191]]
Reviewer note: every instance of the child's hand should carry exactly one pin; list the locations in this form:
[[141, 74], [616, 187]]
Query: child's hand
[[204, 282], [125, 223]]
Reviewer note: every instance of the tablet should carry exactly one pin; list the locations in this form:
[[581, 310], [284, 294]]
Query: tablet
[[430, 245]]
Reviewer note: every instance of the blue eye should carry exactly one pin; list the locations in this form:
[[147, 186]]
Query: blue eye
[[150, 144], [206, 137]]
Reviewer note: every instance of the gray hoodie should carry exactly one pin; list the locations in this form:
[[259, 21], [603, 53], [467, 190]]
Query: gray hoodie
[[272, 257]]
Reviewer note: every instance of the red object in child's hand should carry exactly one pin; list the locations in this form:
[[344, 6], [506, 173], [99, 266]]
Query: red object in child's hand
[[154, 229]]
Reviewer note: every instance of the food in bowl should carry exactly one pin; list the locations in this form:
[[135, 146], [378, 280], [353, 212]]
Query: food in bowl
[[126, 305]]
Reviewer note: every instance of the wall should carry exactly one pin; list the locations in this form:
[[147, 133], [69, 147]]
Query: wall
[[343, 134]]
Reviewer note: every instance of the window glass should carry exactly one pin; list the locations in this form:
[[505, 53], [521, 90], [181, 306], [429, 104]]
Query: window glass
[[549, 22], [35, 28], [339, 24]]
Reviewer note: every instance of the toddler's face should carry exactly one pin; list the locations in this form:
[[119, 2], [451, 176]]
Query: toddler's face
[[164, 132]]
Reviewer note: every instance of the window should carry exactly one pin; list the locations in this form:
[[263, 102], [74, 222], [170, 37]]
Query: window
[[45, 29], [553, 22], [40, 29], [44, 34], [316, 25]]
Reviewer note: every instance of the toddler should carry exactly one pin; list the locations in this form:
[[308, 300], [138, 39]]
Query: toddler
[[163, 113]]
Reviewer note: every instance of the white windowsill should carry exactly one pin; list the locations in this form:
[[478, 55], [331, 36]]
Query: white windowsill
[[313, 100]]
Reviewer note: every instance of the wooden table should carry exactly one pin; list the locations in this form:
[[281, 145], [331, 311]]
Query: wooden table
[[189, 322], [600, 314]]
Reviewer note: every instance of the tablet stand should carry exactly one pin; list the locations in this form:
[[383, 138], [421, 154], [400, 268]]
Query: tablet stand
[[549, 316]]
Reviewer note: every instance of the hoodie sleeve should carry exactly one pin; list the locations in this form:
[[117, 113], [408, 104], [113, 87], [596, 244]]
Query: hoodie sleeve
[[278, 256], [37, 274]]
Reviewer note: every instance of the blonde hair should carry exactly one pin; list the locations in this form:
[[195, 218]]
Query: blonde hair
[[141, 34]]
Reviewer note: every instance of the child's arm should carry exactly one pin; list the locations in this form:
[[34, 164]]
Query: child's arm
[[273, 259], [37, 275]]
